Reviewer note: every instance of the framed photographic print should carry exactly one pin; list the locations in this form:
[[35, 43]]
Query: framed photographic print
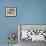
[[33, 32], [10, 11]]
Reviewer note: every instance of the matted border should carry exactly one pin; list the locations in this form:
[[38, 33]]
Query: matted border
[[11, 8]]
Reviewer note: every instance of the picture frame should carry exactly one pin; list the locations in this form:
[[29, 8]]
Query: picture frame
[[37, 29], [10, 11]]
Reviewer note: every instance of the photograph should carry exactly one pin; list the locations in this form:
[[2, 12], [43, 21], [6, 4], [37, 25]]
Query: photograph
[[31, 33], [10, 11]]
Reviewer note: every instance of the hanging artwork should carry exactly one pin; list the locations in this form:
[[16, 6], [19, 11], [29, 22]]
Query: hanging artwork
[[32, 32], [10, 11]]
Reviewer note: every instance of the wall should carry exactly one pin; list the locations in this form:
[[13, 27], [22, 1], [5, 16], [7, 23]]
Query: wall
[[28, 12]]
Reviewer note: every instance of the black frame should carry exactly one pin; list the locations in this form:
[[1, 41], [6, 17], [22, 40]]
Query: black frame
[[11, 7]]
